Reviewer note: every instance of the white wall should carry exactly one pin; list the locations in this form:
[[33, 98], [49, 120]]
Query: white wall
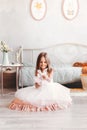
[[17, 27]]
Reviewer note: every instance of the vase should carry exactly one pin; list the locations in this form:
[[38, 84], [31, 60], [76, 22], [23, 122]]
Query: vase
[[5, 60]]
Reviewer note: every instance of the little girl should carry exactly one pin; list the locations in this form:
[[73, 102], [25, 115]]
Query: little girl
[[45, 95]]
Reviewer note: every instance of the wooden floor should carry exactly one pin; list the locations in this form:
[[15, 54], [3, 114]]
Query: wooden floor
[[73, 118]]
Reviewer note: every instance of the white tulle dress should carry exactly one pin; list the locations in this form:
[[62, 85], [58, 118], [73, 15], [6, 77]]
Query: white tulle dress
[[49, 96]]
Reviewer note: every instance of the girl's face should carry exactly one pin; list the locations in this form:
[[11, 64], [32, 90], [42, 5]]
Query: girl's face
[[43, 63]]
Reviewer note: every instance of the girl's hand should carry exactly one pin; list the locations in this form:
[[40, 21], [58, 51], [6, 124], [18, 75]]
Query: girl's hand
[[37, 85], [44, 77]]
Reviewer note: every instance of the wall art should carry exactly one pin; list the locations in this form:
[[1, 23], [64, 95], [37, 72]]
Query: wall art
[[70, 8], [38, 9]]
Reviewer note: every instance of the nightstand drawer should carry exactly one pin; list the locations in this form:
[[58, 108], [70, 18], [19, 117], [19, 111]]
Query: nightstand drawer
[[9, 79]]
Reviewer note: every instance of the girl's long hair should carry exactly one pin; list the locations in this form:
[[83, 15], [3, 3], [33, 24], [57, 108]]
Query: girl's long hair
[[43, 54]]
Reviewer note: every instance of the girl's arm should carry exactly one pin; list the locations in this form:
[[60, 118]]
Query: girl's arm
[[37, 81]]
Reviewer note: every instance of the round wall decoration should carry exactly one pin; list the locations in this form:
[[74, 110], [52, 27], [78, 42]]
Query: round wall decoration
[[38, 9], [70, 8]]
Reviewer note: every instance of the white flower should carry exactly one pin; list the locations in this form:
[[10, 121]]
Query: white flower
[[4, 47]]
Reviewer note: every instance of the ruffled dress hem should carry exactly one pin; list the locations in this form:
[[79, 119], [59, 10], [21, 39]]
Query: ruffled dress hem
[[20, 105]]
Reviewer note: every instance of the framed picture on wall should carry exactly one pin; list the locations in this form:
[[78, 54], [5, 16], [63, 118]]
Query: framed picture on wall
[[70, 8], [38, 9]]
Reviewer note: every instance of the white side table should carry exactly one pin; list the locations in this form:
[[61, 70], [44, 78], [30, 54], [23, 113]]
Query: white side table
[[18, 68]]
